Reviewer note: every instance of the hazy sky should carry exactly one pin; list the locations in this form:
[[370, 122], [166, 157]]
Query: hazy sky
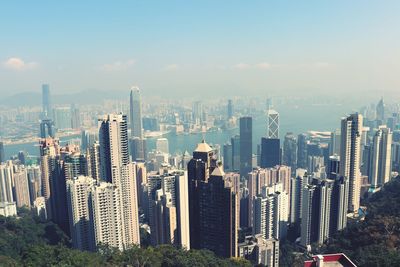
[[215, 47]]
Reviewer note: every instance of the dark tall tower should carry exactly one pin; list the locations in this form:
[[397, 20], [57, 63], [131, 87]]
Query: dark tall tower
[[212, 205], [302, 151], [2, 154], [290, 151], [246, 145], [270, 152], [46, 101]]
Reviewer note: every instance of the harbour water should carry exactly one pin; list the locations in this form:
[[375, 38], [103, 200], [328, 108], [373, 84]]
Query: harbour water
[[296, 119]]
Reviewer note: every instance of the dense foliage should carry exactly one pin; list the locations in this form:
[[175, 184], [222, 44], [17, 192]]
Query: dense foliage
[[25, 241], [376, 240]]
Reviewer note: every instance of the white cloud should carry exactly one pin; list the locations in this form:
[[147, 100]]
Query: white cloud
[[241, 66], [118, 65], [263, 65], [245, 66], [171, 67], [15, 63]]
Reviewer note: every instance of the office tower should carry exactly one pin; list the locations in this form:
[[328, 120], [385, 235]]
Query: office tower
[[88, 138], [94, 161], [107, 215], [316, 212], [138, 149], [270, 152], [6, 182], [62, 117], [79, 210], [115, 168], [197, 112], [162, 145], [2, 154], [350, 157], [46, 102], [113, 147], [272, 124], [339, 204], [75, 117], [334, 145], [47, 128], [212, 205], [246, 145], [136, 113], [228, 159], [381, 157], [21, 187], [137, 142], [290, 151], [230, 109], [141, 181], [332, 169], [380, 112], [302, 141], [49, 149], [169, 208], [235, 141], [296, 190], [35, 183]]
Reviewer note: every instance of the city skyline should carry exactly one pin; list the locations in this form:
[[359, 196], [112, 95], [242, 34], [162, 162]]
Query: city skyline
[[172, 133]]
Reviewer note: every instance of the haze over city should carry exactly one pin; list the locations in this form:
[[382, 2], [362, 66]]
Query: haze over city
[[172, 49]]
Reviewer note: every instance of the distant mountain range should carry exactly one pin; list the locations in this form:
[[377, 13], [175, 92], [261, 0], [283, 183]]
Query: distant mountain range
[[83, 97]]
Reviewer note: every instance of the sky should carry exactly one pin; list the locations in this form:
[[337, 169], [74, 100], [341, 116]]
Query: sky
[[193, 48]]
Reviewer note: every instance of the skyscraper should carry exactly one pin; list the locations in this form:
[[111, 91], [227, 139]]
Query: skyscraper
[[137, 141], [80, 209], [230, 109], [381, 157], [46, 102], [2, 154], [47, 128], [272, 124], [21, 186], [380, 112], [6, 183], [117, 169], [316, 212], [228, 160], [290, 151], [107, 215], [270, 152], [212, 205], [136, 113], [302, 153], [246, 145], [350, 150], [235, 141], [169, 208]]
